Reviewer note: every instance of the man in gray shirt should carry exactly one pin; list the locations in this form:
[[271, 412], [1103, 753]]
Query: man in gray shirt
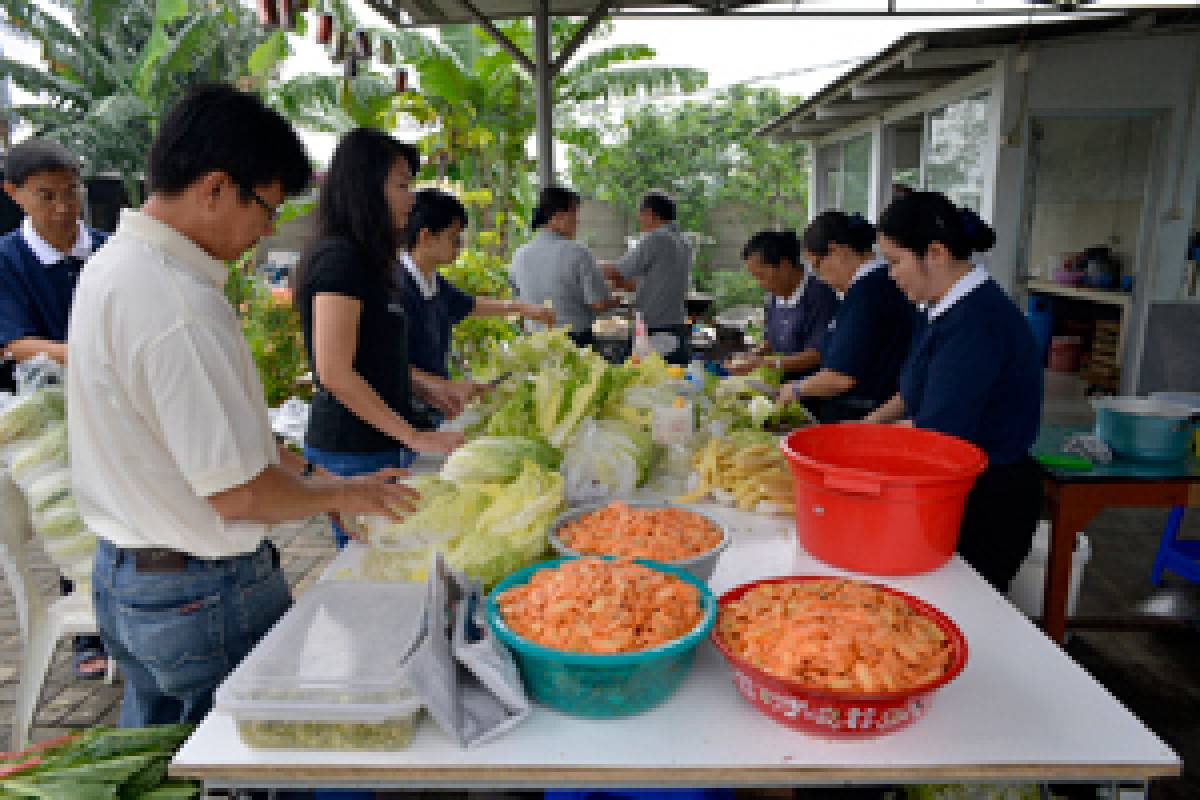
[[552, 266], [660, 267]]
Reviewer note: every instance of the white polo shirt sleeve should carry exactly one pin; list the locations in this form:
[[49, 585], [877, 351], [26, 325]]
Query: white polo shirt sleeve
[[209, 419]]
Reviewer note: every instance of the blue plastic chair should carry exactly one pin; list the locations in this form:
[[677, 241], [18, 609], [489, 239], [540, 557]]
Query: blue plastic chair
[[1181, 556]]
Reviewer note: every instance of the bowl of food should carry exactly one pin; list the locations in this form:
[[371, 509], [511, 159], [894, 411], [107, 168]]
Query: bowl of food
[[836, 657], [682, 537], [601, 637]]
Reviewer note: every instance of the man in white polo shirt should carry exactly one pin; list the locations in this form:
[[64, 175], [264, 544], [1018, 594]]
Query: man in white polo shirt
[[174, 464]]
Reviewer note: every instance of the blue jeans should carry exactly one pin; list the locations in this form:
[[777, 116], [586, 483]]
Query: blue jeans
[[350, 464], [177, 635]]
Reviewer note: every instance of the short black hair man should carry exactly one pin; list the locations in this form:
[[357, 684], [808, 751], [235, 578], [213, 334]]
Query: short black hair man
[[40, 263]]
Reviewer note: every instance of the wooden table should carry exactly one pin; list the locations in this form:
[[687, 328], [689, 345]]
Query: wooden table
[[1020, 710], [1075, 497]]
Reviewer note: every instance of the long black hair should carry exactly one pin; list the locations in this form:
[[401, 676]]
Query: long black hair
[[917, 220], [434, 211], [353, 204], [774, 247], [838, 227], [551, 201]]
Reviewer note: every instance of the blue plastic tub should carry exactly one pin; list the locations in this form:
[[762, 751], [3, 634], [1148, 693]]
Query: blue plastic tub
[[606, 686]]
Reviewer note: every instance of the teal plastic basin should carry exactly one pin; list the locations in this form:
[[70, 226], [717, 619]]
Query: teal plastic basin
[[605, 686]]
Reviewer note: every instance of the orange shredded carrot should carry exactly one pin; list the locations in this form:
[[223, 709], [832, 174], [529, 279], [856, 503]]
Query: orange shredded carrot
[[835, 634], [660, 534], [594, 606]]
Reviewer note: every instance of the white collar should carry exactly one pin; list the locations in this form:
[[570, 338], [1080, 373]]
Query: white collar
[[798, 295], [173, 244], [968, 283], [866, 268], [48, 254], [427, 286]]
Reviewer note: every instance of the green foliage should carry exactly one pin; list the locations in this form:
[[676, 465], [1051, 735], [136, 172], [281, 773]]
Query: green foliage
[[482, 274], [116, 65], [729, 287], [703, 151]]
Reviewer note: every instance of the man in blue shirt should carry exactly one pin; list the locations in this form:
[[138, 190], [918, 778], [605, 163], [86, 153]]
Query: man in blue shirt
[[39, 267]]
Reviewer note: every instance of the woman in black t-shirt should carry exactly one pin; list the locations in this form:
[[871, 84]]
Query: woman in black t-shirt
[[355, 328]]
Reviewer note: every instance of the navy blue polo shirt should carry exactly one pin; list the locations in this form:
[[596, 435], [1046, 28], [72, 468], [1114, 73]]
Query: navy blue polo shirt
[[35, 298], [869, 336], [975, 374], [431, 322]]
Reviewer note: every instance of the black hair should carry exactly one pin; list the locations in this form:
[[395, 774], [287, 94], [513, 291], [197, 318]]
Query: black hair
[[37, 155], [353, 205], [774, 247], [216, 127], [660, 204], [838, 227], [919, 219], [434, 211], [551, 201]]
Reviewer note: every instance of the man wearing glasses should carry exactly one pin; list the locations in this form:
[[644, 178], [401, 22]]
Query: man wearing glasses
[[39, 267]]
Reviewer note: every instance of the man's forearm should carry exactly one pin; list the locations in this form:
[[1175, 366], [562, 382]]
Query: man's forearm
[[276, 495], [26, 348]]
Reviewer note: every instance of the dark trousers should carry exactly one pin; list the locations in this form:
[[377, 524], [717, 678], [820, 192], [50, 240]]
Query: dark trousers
[[1000, 519]]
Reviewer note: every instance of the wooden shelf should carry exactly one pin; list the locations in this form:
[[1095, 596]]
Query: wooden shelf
[[1112, 298]]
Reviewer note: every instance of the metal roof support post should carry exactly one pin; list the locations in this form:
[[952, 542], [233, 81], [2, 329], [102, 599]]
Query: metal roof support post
[[545, 105]]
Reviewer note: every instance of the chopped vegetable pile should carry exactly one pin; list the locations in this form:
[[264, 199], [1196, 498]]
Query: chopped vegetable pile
[[662, 534], [595, 606], [835, 634]]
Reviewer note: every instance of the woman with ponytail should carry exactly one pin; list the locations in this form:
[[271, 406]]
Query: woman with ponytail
[[553, 267], [799, 306], [973, 373], [868, 338]]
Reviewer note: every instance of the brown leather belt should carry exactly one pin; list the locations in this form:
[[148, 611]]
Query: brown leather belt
[[160, 559]]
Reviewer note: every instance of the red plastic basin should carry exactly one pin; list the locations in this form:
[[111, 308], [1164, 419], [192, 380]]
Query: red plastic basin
[[880, 499], [831, 713]]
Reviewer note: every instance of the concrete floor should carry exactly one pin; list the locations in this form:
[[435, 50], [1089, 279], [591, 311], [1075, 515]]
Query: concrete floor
[[1154, 674]]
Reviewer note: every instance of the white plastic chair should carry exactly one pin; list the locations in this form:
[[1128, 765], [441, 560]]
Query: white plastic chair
[[45, 617]]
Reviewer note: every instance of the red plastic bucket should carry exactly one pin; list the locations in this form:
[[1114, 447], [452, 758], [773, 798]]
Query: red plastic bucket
[[880, 499]]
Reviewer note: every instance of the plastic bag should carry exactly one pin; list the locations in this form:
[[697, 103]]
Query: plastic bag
[[290, 420], [599, 466], [37, 373]]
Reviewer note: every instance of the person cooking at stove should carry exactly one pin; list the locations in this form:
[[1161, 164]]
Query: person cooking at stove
[[868, 337], [799, 307], [973, 373]]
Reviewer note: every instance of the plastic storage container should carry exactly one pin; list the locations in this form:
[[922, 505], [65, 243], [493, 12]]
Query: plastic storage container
[[327, 676], [840, 714], [1064, 353], [1144, 429], [1027, 589], [880, 499], [602, 686]]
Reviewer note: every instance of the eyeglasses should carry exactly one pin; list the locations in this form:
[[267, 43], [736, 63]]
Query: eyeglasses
[[272, 211], [68, 197]]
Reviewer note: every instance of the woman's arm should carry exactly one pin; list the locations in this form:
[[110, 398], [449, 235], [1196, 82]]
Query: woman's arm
[[491, 307], [335, 341], [889, 412], [826, 383]]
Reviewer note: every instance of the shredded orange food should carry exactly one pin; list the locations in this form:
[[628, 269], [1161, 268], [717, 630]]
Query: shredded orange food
[[660, 534], [594, 606], [835, 634]]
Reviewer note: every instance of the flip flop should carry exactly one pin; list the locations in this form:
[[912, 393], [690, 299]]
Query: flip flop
[[85, 655]]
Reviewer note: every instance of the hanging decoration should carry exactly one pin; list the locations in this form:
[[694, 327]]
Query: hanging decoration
[[401, 80], [362, 44], [341, 46], [387, 53], [324, 29], [268, 13]]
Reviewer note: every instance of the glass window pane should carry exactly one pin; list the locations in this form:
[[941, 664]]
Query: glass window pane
[[955, 161], [856, 192]]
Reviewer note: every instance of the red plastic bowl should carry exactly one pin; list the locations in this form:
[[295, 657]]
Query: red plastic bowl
[[830, 712], [880, 499]]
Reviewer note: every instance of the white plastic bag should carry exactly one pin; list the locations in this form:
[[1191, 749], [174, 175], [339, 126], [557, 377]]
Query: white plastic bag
[[599, 466]]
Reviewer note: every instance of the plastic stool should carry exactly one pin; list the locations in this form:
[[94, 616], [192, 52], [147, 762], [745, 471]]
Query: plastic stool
[[638, 794], [1180, 557]]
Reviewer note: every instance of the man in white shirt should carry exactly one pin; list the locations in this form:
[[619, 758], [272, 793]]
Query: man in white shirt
[[174, 464]]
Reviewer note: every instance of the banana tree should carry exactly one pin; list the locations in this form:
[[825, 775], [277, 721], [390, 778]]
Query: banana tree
[[118, 65]]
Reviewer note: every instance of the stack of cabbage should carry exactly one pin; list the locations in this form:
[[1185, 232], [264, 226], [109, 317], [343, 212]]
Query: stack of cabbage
[[33, 445], [489, 513]]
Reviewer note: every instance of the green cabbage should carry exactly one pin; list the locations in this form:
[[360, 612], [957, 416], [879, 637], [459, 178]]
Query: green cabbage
[[58, 521], [49, 490], [516, 416], [496, 459], [30, 414], [48, 450]]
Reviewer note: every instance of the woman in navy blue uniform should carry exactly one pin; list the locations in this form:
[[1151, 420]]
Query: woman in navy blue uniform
[[799, 307], [974, 373], [868, 337]]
